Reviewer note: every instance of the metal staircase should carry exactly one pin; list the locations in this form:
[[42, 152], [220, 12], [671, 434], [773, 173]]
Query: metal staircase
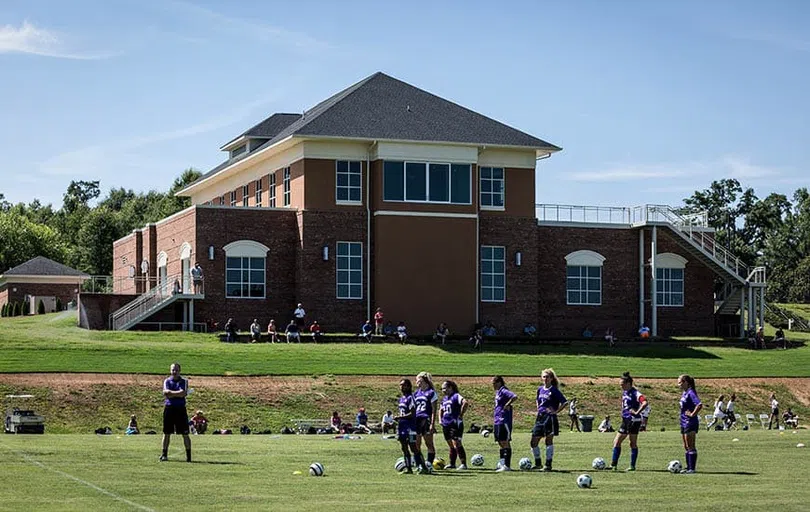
[[148, 304]]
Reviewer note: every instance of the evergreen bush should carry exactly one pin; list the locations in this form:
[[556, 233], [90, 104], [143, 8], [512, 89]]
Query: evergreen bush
[[41, 307]]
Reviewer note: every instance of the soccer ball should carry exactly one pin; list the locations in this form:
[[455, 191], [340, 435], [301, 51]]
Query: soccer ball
[[599, 463], [439, 463], [477, 460], [485, 433], [674, 466], [316, 469], [525, 464], [400, 465], [584, 481]]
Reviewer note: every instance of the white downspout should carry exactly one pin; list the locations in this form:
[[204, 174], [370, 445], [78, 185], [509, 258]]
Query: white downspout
[[641, 277], [368, 230]]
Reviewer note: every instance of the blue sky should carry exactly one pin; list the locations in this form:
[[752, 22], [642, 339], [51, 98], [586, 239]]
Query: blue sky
[[650, 100]]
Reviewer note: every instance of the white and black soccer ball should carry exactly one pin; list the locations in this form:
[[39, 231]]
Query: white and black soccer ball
[[400, 465], [674, 466], [316, 469], [584, 481], [525, 464], [485, 433], [477, 460], [599, 463]]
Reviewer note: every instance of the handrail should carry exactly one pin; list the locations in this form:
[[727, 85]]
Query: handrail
[[148, 302], [584, 214]]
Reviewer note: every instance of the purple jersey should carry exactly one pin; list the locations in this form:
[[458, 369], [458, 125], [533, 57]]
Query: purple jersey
[[451, 409], [406, 406], [175, 385], [503, 415], [549, 400], [424, 402], [689, 401], [631, 401]]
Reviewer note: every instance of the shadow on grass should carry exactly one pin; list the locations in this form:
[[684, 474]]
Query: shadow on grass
[[216, 462], [699, 472], [646, 351]]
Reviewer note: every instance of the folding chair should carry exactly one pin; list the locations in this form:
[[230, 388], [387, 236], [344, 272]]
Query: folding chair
[[751, 420], [708, 418], [763, 420]]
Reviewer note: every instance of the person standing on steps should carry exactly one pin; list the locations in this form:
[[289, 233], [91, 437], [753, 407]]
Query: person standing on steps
[[175, 416]]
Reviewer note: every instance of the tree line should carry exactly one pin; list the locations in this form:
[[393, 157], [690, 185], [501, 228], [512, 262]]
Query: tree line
[[773, 232]]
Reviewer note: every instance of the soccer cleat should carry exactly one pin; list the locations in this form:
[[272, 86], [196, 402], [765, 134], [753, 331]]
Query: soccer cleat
[[407, 471], [631, 468], [546, 468], [450, 466], [537, 467], [461, 467], [163, 458], [503, 469], [611, 468], [687, 471]]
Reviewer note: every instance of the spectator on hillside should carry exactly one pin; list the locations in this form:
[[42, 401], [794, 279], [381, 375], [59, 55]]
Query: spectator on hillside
[[389, 330], [530, 330], [441, 333], [573, 415], [335, 422], [477, 337], [644, 332], [272, 332], [315, 331], [402, 332], [379, 320], [361, 422], [587, 333], [299, 315], [610, 338], [760, 338], [199, 423], [231, 330], [132, 427], [387, 422], [489, 329], [255, 331], [366, 331], [790, 419], [605, 426], [779, 338], [293, 333], [197, 277]]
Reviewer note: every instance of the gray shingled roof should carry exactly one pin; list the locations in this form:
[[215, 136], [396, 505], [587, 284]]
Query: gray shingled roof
[[381, 107], [42, 266]]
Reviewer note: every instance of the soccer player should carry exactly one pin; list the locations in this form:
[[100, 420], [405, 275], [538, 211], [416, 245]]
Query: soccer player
[[175, 416], [690, 420], [406, 430], [453, 408], [774, 412], [633, 402], [719, 413], [426, 400], [549, 402], [504, 399]]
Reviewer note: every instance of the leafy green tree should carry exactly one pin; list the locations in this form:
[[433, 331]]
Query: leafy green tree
[[21, 239], [99, 229]]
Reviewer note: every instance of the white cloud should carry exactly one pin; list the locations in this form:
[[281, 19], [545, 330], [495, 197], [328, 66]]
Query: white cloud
[[729, 166], [30, 39]]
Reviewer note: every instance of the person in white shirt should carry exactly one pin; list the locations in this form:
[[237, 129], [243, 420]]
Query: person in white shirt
[[572, 413], [255, 331], [299, 315], [645, 415], [402, 332], [605, 426], [731, 417], [388, 422], [774, 412], [719, 414]]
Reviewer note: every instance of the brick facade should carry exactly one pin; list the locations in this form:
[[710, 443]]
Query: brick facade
[[11, 292]]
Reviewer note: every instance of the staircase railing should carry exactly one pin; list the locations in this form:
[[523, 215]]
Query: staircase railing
[[149, 301]]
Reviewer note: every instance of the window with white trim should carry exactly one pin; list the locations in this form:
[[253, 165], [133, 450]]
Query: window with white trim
[[427, 182], [583, 278], [492, 189], [233, 197], [271, 193], [669, 275], [348, 179], [245, 274], [493, 273], [258, 192], [286, 186], [349, 270], [245, 194]]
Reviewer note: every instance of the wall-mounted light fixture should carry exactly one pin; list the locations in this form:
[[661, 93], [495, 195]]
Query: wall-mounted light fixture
[[518, 258], [210, 252], [325, 253]]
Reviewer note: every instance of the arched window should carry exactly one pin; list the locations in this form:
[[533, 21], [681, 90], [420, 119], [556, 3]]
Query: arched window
[[669, 274], [583, 286], [245, 264]]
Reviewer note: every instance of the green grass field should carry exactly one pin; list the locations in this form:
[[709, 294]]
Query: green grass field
[[52, 343], [86, 473]]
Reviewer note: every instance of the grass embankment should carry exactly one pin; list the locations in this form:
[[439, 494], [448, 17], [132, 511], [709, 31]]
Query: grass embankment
[[83, 403], [52, 343], [87, 473]]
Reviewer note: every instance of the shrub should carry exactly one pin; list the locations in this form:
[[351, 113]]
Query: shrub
[[58, 304], [4, 310], [15, 309], [41, 307], [26, 308]]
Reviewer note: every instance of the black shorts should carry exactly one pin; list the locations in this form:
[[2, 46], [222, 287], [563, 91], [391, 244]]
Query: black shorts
[[775, 412], [546, 425], [422, 426], [630, 426], [175, 419], [454, 431], [692, 427], [407, 436], [503, 432]]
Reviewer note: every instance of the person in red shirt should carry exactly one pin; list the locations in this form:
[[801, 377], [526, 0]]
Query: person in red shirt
[[379, 320], [315, 330]]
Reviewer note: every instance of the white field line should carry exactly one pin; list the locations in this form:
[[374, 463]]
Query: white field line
[[83, 482]]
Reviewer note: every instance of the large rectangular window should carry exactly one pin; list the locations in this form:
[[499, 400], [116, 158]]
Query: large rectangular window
[[493, 273], [431, 182], [258, 192], [286, 186], [669, 286], [349, 270], [245, 194], [492, 187], [583, 285], [271, 192], [233, 197], [244, 277], [348, 182]]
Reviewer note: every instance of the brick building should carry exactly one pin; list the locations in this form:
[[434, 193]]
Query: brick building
[[385, 195], [44, 278]]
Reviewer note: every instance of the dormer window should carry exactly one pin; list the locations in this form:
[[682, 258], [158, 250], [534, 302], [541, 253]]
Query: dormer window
[[238, 151]]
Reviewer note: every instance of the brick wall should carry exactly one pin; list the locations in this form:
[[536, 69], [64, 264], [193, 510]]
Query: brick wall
[[16, 292], [127, 252], [95, 308]]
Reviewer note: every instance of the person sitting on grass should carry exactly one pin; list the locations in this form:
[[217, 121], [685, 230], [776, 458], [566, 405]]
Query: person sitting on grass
[[315, 331], [387, 422], [779, 338], [292, 333], [402, 332], [367, 331], [255, 331], [489, 330], [389, 330], [335, 422], [199, 423], [132, 428], [790, 419], [361, 423], [477, 337], [441, 333], [605, 426]]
